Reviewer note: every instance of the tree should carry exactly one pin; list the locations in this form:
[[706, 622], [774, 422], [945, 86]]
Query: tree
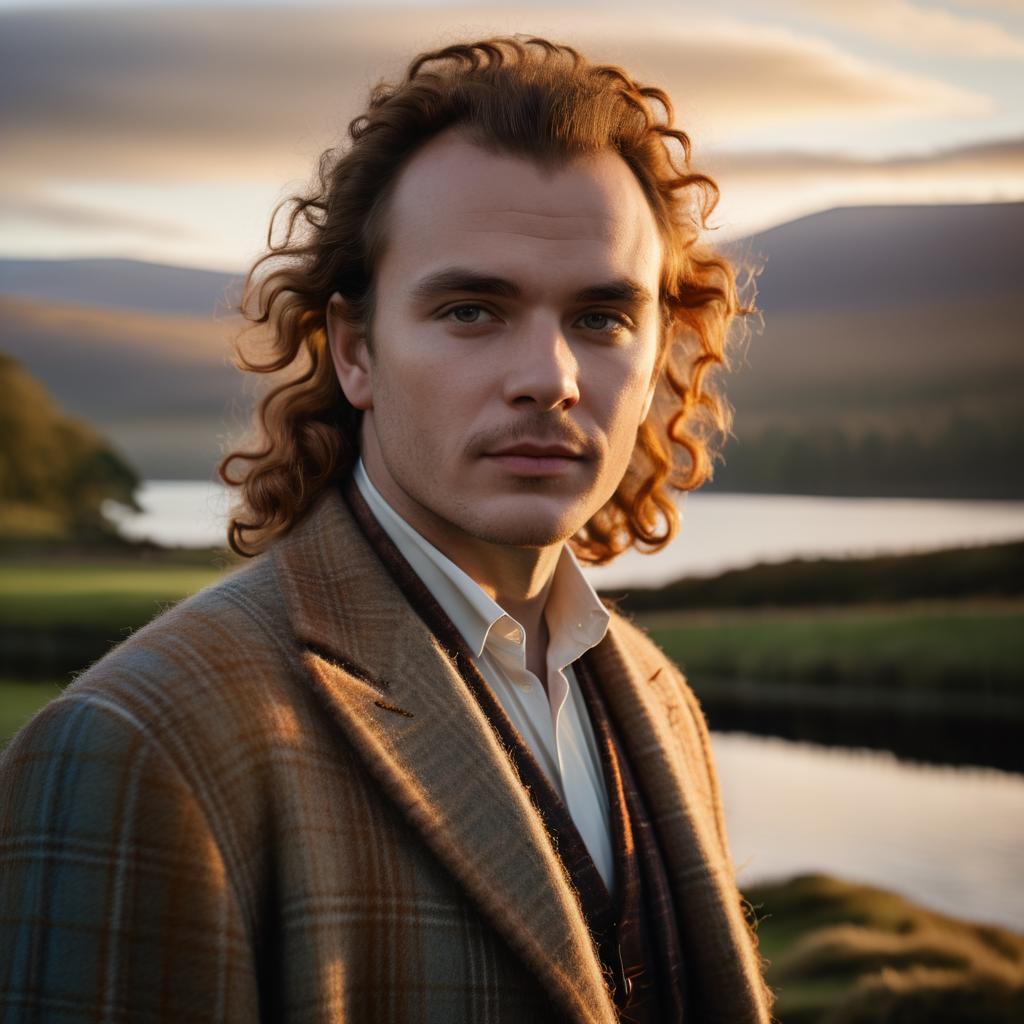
[[56, 472]]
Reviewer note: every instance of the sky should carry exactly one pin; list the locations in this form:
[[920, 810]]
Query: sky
[[169, 133]]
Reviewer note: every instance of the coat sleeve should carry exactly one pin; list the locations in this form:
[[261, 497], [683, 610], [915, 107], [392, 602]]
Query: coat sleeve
[[115, 904]]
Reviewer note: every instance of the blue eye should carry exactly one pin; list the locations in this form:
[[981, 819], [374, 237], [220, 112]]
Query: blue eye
[[467, 314], [606, 322]]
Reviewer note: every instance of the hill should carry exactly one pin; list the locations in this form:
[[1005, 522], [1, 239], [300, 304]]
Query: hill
[[888, 256], [161, 387], [890, 363], [121, 284]]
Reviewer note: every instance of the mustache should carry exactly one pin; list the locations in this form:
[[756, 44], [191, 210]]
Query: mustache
[[538, 427]]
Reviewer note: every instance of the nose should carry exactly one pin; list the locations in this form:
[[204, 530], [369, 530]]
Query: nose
[[543, 371]]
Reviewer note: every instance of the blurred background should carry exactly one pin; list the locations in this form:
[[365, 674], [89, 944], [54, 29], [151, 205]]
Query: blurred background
[[845, 597]]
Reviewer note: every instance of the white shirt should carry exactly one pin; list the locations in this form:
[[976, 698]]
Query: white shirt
[[554, 724]]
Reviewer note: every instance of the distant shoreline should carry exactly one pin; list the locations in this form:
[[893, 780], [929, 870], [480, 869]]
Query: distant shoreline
[[933, 673]]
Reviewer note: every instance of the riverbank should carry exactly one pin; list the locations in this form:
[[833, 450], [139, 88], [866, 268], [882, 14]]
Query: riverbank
[[62, 609], [937, 680], [931, 677]]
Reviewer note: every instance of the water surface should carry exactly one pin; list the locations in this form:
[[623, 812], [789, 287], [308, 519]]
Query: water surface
[[720, 531], [949, 838]]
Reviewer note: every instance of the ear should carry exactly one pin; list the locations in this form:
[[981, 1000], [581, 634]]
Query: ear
[[350, 355]]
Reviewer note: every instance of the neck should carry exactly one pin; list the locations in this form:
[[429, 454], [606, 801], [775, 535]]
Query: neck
[[516, 578]]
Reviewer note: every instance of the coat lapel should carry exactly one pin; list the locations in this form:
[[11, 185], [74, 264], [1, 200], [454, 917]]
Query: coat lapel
[[667, 746], [405, 708]]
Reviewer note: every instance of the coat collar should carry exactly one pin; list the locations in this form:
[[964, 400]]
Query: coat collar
[[403, 705], [576, 618], [668, 748]]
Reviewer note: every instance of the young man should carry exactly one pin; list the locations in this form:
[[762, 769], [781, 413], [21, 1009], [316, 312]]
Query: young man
[[405, 766]]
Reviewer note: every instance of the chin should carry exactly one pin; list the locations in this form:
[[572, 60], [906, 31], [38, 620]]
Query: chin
[[527, 523], [523, 536]]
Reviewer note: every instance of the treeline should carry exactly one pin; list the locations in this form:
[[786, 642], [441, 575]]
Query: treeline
[[994, 570], [967, 458], [56, 472]]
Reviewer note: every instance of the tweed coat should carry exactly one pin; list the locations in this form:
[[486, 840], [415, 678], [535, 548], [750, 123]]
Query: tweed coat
[[279, 802]]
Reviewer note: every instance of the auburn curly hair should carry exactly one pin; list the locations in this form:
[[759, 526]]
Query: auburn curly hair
[[524, 97]]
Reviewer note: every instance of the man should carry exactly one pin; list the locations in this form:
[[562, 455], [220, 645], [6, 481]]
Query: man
[[405, 766]]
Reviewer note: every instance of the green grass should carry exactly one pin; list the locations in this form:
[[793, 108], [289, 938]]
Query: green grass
[[967, 646], [19, 701], [840, 951], [114, 596]]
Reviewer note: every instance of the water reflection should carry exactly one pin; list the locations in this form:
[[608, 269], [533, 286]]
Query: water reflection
[[720, 531], [950, 838]]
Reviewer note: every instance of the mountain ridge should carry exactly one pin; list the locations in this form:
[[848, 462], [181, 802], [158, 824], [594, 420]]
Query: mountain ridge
[[884, 328]]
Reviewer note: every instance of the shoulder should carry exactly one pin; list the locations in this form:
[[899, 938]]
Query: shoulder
[[666, 681], [193, 682], [191, 719], [233, 629], [681, 706], [664, 674]]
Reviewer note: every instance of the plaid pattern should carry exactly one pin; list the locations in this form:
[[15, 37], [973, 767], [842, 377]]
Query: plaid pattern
[[261, 807], [644, 975], [653, 981]]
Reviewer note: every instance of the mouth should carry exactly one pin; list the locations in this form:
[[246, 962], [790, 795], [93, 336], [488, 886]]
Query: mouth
[[534, 459], [535, 450]]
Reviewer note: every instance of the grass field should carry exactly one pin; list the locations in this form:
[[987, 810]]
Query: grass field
[[966, 646], [110, 596]]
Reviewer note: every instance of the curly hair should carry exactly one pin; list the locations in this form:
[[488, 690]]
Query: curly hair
[[523, 97]]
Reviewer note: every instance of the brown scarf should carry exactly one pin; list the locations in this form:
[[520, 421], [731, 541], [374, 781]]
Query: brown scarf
[[636, 934]]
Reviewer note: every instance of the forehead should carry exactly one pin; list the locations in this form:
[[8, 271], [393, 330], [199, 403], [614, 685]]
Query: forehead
[[458, 203]]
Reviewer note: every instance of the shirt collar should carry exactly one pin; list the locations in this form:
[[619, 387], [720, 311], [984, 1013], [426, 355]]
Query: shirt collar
[[576, 618]]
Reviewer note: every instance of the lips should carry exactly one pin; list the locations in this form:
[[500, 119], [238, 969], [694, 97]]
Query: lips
[[536, 450], [537, 459]]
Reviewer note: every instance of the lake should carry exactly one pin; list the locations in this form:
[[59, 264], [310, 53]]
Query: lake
[[949, 838], [719, 531]]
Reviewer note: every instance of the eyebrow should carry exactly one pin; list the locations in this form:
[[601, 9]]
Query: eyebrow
[[461, 279]]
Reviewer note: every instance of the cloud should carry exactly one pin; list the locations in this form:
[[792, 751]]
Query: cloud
[[916, 27], [762, 189], [169, 134], [992, 160], [744, 77], [199, 94], [1010, 6], [51, 211]]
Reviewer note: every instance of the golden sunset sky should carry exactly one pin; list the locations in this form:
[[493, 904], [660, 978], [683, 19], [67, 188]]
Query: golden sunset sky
[[169, 133]]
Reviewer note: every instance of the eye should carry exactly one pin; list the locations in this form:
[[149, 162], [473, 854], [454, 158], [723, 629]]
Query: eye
[[606, 322], [467, 314]]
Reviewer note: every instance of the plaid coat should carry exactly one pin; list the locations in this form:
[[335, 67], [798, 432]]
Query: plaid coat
[[278, 802]]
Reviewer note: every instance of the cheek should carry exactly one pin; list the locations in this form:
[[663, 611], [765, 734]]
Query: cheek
[[625, 395], [428, 405]]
